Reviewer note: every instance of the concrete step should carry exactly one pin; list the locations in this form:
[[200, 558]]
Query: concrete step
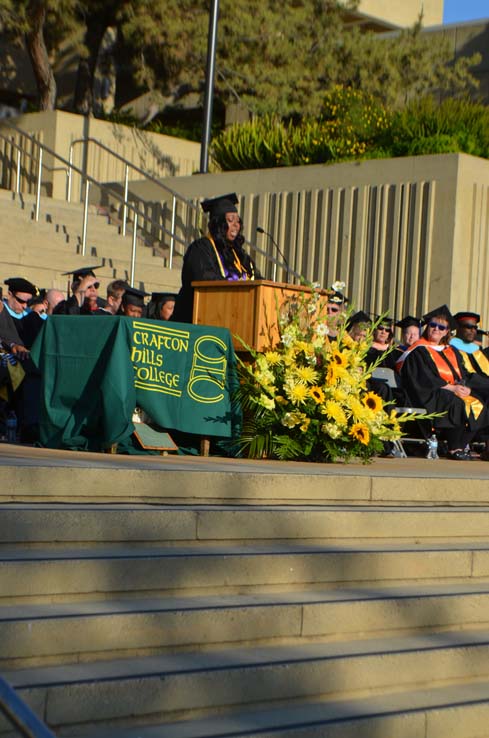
[[42, 239], [103, 228], [41, 574], [52, 476], [56, 524], [28, 258], [32, 635], [458, 711], [45, 249], [180, 685]]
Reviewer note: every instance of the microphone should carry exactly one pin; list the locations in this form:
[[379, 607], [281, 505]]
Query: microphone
[[259, 229]]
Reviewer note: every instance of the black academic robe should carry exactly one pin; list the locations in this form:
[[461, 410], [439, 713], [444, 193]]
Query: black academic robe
[[71, 307], [9, 329], [30, 327], [199, 264], [424, 385], [374, 354]]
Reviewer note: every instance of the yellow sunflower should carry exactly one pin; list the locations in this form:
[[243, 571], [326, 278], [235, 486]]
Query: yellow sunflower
[[373, 402], [360, 432], [332, 374], [340, 358], [358, 409], [317, 394]]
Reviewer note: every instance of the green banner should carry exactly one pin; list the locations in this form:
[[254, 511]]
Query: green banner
[[95, 371]]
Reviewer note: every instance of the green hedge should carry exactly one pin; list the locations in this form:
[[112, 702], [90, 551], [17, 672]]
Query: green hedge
[[355, 126]]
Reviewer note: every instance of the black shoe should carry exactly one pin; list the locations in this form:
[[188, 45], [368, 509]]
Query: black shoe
[[459, 456]]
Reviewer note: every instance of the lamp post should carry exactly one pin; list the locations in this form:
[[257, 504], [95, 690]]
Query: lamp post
[[209, 87]]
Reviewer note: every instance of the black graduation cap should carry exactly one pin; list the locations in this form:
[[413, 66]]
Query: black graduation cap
[[132, 296], [337, 297], [357, 318], [163, 296], [407, 322], [79, 274], [220, 205], [441, 312], [384, 321], [19, 284], [466, 317], [38, 299]]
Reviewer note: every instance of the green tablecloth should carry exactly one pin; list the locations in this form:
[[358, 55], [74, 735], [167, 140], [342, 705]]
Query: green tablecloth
[[96, 370]]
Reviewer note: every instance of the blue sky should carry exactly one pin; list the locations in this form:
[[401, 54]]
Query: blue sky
[[460, 10]]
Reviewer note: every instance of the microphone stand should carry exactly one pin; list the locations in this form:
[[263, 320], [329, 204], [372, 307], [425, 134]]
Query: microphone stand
[[286, 263]]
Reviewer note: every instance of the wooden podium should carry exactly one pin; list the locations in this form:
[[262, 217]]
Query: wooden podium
[[247, 308]]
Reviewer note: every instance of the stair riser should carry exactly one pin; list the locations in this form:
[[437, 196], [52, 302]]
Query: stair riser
[[170, 524], [231, 573], [58, 484], [96, 637], [162, 695]]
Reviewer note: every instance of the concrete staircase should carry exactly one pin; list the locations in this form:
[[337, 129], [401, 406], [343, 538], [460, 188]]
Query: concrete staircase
[[42, 251], [228, 606]]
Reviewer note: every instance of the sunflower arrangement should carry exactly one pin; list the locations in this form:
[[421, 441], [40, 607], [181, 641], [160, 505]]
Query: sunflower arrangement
[[307, 398]]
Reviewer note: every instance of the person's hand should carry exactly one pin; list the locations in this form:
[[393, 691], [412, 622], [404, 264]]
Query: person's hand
[[19, 351], [79, 291], [458, 389]]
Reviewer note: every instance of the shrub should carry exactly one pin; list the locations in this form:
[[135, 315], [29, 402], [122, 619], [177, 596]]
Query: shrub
[[354, 125], [350, 124]]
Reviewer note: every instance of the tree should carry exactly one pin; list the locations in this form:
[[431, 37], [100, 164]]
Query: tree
[[272, 57], [39, 24], [281, 58]]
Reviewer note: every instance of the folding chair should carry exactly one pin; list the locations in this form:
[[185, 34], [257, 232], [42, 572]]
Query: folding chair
[[384, 374]]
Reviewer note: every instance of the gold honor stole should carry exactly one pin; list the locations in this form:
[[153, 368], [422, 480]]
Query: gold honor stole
[[479, 358], [237, 263]]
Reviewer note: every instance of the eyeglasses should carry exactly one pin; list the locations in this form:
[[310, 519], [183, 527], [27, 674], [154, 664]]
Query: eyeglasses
[[440, 326], [469, 326], [332, 309], [94, 284], [22, 302]]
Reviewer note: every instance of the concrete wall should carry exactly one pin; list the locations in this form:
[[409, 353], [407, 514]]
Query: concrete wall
[[404, 12], [404, 234], [156, 154]]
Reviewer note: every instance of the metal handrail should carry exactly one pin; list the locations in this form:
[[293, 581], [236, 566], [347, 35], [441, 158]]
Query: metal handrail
[[169, 190], [128, 163], [69, 168], [88, 181], [20, 715]]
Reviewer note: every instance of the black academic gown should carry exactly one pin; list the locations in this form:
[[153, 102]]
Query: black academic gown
[[424, 386], [71, 307], [30, 327], [200, 264], [9, 329]]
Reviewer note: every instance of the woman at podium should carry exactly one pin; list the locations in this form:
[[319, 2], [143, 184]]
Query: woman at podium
[[219, 255]]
